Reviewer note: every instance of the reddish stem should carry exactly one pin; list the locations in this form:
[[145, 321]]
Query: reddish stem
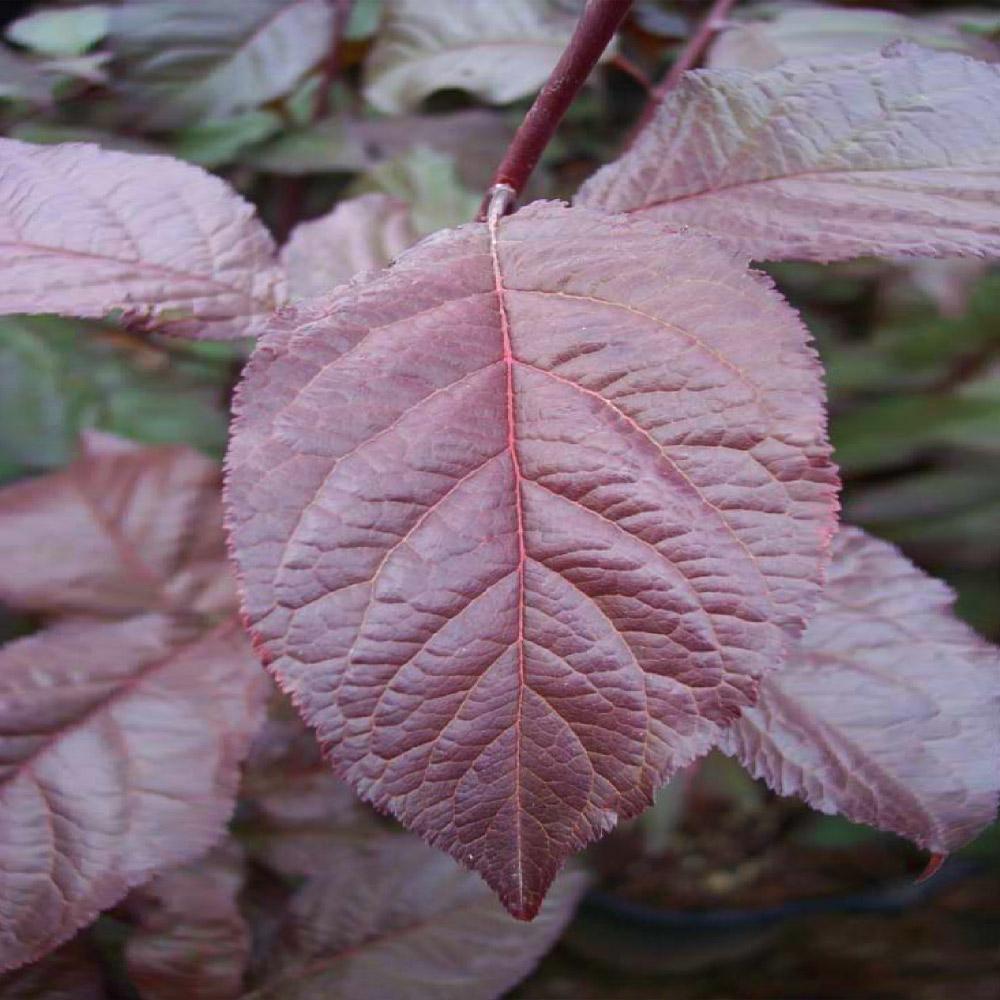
[[687, 58], [597, 24], [331, 64]]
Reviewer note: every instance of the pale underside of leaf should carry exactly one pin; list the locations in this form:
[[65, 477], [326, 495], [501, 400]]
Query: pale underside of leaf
[[398, 920], [889, 712], [521, 520], [361, 234], [896, 153], [185, 62], [121, 749], [90, 232], [496, 51]]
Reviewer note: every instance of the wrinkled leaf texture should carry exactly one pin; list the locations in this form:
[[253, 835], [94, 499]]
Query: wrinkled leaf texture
[[88, 232], [185, 62], [892, 153], [122, 529], [818, 30], [120, 747], [395, 919], [521, 520], [889, 712]]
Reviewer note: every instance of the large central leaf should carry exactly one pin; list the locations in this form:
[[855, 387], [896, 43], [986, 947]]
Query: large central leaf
[[521, 520]]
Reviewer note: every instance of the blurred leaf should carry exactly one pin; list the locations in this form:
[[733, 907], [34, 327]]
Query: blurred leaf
[[50, 133], [68, 32], [213, 144], [834, 832], [185, 62], [426, 180], [58, 377], [894, 430], [69, 973], [398, 919], [364, 19], [22, 80], [496, 51], [773, 33], [191, 940]]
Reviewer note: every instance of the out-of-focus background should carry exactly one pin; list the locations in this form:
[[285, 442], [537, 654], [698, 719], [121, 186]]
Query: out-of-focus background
[[912, 355]]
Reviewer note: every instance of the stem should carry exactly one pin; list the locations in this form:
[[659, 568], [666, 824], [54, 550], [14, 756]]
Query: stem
[[686, 59], [331, 64], [597, 24]]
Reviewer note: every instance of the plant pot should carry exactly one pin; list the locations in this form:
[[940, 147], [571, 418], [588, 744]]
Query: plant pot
[[634, 937]]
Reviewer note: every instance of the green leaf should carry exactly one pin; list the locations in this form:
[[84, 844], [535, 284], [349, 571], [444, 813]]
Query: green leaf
[[213, 144], [58, 377], [69, 32]]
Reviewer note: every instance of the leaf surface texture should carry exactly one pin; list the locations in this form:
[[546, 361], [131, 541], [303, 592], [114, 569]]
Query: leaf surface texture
[[889, 154], [521, 520], [889, 713]]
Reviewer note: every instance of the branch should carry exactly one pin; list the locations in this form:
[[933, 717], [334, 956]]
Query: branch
[[597, 24], [688, 58], [331, 64]]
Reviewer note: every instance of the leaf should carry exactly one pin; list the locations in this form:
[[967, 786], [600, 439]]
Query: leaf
[[296, 816], [22, 80], [86, 232], [496, 51], [396, 920], [70, 973], [61, 32], [890, 712], [122, 529], [186, 62], [521, 519], [476, 139], [214, 143], [59, 377], [192, 940], [360, 234], [890, 154], [121, 748], [820, 30]]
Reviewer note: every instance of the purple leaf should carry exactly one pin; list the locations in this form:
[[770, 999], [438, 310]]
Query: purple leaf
[[397, 920], [124, 528], [192, 942], [121, 746], [88, 232], [70, 973], [361, 234], [890, 711], [886, 154], [521, 520], [805, 32]]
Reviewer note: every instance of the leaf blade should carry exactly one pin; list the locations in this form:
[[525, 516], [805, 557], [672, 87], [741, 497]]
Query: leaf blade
[[824, 159], [421, 579], [890, 712], [89, 231], [94, 802]]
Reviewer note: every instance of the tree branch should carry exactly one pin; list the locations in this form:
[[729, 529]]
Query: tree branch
[[597, 24]]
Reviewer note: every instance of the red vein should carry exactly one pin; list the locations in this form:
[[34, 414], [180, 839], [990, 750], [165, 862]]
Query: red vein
[[496, 210]]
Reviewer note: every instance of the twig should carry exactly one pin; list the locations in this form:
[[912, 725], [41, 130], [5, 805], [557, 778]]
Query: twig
[[687, 58], [597, 24], [331, 64]]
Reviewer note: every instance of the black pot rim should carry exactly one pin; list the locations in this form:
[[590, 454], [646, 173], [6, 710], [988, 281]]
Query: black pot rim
[[887, 897]]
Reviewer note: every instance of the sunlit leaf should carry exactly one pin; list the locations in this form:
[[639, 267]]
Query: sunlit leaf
[[68, 32]]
